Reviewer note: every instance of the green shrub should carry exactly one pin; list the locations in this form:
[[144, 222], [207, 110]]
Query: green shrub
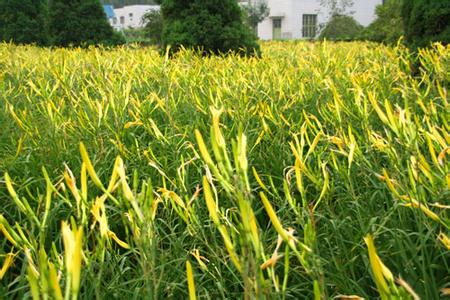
[[426, 21], [341, 27], [80, 23], [388, 26], [153, 26], [211, 26], [23, 21]]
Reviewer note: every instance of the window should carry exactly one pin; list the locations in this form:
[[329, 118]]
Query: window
[[276, 32], [122, 20], [115, 21], [309, 26], [130, 15]]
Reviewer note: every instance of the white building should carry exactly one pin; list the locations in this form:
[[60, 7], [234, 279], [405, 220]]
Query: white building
[[131, 16], [111, 16], [300, 19]]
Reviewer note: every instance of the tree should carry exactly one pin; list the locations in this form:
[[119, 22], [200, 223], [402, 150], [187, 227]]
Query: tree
[[80, 23], [388, 26], [211, 26], [426, 21], [337, 7], [341, 28], [23, 21], [153, 26], [256, 12]]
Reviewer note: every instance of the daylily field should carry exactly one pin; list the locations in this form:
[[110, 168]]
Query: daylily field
[[318, 171]]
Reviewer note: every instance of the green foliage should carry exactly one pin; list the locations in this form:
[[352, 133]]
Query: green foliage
[[136, 35], [23, 21], [153, 26], [210, 26], [341, 27], [342, 139], [426, 21], [80, 23], [256, 12], [388, 26]]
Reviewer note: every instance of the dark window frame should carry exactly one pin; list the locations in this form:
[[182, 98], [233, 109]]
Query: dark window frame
[[309, 25]]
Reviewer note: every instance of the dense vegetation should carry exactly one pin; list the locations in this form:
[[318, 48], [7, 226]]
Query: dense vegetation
[[388, 26], [80, 22], [209, 26], [319, 170], [341, 27], [23, 21], [426, 21], [56, 23], [153, 26]]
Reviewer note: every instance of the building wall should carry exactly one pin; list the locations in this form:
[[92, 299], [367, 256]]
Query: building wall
[[292, 11], [114, 23], [131, 16]]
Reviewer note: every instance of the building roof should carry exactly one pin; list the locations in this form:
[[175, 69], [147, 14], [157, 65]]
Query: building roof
[[109, 11]]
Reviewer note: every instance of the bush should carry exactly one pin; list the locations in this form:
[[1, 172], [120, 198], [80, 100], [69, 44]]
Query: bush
[[153, 26], [388, 27], [426, 21], [137, 36], [23, 21], [341, 27], [80, 23], [211, 26]]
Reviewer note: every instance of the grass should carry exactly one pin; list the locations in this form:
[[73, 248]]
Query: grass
[[318, 171]]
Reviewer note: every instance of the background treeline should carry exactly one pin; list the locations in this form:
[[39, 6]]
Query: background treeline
[[83, 22], [121, 3], [419, 21], [56, 23]]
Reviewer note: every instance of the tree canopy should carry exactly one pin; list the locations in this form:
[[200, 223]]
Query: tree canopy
[[23, 21], [80, 22], [341, 27], [211, 26], [256, 13], [337, 7], [153, 26], [388, 26], [426, 21]]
